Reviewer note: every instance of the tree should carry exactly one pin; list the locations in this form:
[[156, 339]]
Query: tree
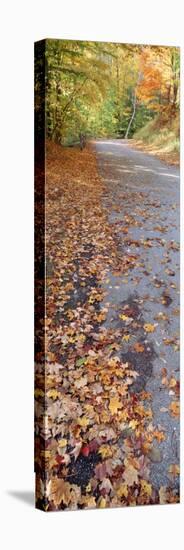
[[103, 89]]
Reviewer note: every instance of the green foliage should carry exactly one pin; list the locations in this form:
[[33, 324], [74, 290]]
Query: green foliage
[[99, 88]]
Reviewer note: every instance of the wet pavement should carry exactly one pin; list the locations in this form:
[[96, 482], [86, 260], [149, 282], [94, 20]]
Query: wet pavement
[[142, 201]]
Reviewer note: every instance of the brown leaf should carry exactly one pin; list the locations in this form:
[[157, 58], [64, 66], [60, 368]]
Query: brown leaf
[[60, 491]]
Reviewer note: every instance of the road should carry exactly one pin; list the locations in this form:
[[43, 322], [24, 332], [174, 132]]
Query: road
[[142, 194]]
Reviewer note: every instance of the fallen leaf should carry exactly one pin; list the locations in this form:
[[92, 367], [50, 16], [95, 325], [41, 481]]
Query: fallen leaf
[[106, 485], [130, 475], [101, 502], [53, 394], [148, 327], [85, 450], [62, 443], [81, 382], [138, 347], [60, 491], [122, 490], [80, 361], [163, 497], [174, 470], [83, 421], [146, 487], [174, 408], [126, 337], [114, 405], [105, 451]]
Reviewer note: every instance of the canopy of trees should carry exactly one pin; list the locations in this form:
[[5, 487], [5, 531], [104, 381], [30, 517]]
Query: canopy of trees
[[106, 89]]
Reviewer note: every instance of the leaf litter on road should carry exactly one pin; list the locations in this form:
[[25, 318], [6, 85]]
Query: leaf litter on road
[[94, 432]]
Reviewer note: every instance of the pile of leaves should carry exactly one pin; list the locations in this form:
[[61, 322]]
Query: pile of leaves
[[94, 432]]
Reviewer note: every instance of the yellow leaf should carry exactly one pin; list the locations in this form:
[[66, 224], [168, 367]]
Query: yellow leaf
[[133, 424], [148, 327], [172, 382], [105, 451], [104, 416], [39, 393], [114, 405], [62, 443], [146, 487], [88, 487], [126, 337], [88, 501], [83, 421], [102, 503], [123, 317], [46, 454], [122, 490], [54, 394]]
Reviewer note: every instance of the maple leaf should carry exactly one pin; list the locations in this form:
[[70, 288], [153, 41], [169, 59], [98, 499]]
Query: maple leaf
[[76, 451], [80, 361], [81, 382], [174, 408], [122, 490], [83, 421], [163, 495], [172, 382], [88, 501], [174, 470], [123, 317], [126, 337], [133, 424], [146, 487], [105, 451], [53, 394], [114, 405], [160, 436], [130, 474], [62, 443], [103, 469], [106, 485], [148, 327], [138, 347], [60, 491]]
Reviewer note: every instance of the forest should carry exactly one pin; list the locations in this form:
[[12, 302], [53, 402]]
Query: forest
[[109, 89]]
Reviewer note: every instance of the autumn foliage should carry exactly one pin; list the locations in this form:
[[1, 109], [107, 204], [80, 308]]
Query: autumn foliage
[[94, 434]]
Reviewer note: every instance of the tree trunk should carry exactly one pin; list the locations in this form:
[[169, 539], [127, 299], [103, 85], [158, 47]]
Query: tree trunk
[[134, 103], [118, 92], [133, 115]]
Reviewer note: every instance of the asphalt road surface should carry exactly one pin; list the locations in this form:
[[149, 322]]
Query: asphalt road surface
[[143, 193]]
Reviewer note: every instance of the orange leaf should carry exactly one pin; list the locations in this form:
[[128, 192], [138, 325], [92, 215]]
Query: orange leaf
[[174, 408]]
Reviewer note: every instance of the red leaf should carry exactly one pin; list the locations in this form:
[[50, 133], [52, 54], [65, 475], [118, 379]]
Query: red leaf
[[85, 450]]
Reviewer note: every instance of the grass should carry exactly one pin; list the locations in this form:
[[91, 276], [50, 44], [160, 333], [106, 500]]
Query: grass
[[160, 138]]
